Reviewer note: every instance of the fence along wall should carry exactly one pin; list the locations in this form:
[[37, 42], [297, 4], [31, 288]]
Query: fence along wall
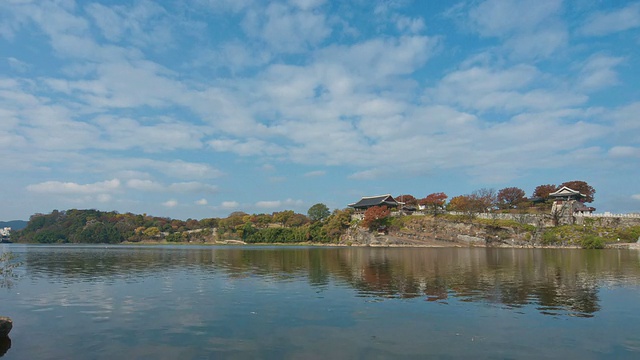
[[604, 219]]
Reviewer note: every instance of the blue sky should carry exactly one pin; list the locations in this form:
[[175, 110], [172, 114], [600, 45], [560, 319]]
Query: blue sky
[[194, 109]]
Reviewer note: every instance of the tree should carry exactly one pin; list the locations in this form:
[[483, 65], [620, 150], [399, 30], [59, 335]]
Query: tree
[[296, 220], [337, 223], [543, 191], [151, 232], [318, 212], [407, 199], [470, 205], [510, 197], [458, 203], [434, 202], [375, 217], [484, 199], [582, 187], [282, 216]]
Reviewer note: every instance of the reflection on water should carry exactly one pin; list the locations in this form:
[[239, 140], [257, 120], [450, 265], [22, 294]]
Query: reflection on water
[[555, 281], [300, 302]]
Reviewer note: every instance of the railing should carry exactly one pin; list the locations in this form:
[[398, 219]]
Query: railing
[[520, 216], [610, 215]]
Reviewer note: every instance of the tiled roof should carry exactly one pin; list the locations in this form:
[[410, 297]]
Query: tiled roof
[[379, 200], [565, 191]]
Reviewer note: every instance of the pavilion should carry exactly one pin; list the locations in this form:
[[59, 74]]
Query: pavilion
[[379, 200], [568, 201]]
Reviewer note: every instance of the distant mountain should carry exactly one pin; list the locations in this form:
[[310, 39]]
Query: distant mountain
[[14, 224]]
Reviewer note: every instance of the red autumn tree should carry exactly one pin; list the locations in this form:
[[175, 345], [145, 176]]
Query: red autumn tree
[[470, 205], [434, 202], [543, 191], [407, 199], [375, 217], [582, 187], [484, 199], [509, 198]]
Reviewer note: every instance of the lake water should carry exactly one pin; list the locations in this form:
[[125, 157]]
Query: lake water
[[188, 302]]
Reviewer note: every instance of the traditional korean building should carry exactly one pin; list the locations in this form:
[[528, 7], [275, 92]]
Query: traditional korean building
[[371, 201], [567, 202]]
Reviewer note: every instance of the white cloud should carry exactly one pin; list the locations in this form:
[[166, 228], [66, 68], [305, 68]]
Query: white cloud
[[625, 123], [410, 25], [57, 187], [202, 202], [315, 173], [535, 31], [182, 187], [598, 72], [368, 174], [636, 197], [230, 204], [144, 185], [124, 133], [278, 204], [514, 89], [248, 147], [286, 29], [624, 151], [192, 187], [17, 65], [145, 23], [269, 204], [604, 23], [183, 169], [103, 198], [170, 203], [497, 17]]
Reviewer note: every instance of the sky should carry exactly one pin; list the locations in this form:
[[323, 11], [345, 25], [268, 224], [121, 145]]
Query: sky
[[195, 109]]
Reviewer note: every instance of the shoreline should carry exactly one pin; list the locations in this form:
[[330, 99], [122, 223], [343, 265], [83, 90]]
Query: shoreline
[[239, 243]]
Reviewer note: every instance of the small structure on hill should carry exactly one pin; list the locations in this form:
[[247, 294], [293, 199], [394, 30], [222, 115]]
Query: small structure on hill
[[5, 235], [567, 202], [371, 201]]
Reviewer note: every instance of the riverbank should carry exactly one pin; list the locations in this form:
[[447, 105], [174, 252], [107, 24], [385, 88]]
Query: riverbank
[[380, 244]]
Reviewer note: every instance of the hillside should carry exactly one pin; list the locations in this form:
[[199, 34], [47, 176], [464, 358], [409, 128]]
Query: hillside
[[451, 230], [14, 224], [535, 230], [93, 226]]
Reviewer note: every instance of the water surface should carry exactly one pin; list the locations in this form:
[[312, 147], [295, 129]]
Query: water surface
[[186, 302]]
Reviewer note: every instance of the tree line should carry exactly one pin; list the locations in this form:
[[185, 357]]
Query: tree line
[[94, 226], [479, 201], [486, 199]]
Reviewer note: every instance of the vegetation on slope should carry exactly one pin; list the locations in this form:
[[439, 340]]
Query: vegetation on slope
[[93, 226]]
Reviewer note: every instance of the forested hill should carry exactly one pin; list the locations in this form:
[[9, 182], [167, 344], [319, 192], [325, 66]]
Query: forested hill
[[14, 224], [93, 226]]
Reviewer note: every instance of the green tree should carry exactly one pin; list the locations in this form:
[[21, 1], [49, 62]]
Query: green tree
[[282, 216], [337, 223], [318, 212], [296, 220], [151, 232]]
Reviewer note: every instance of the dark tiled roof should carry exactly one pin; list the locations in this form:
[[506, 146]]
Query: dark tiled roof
[[582, 207], [379, 200]]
